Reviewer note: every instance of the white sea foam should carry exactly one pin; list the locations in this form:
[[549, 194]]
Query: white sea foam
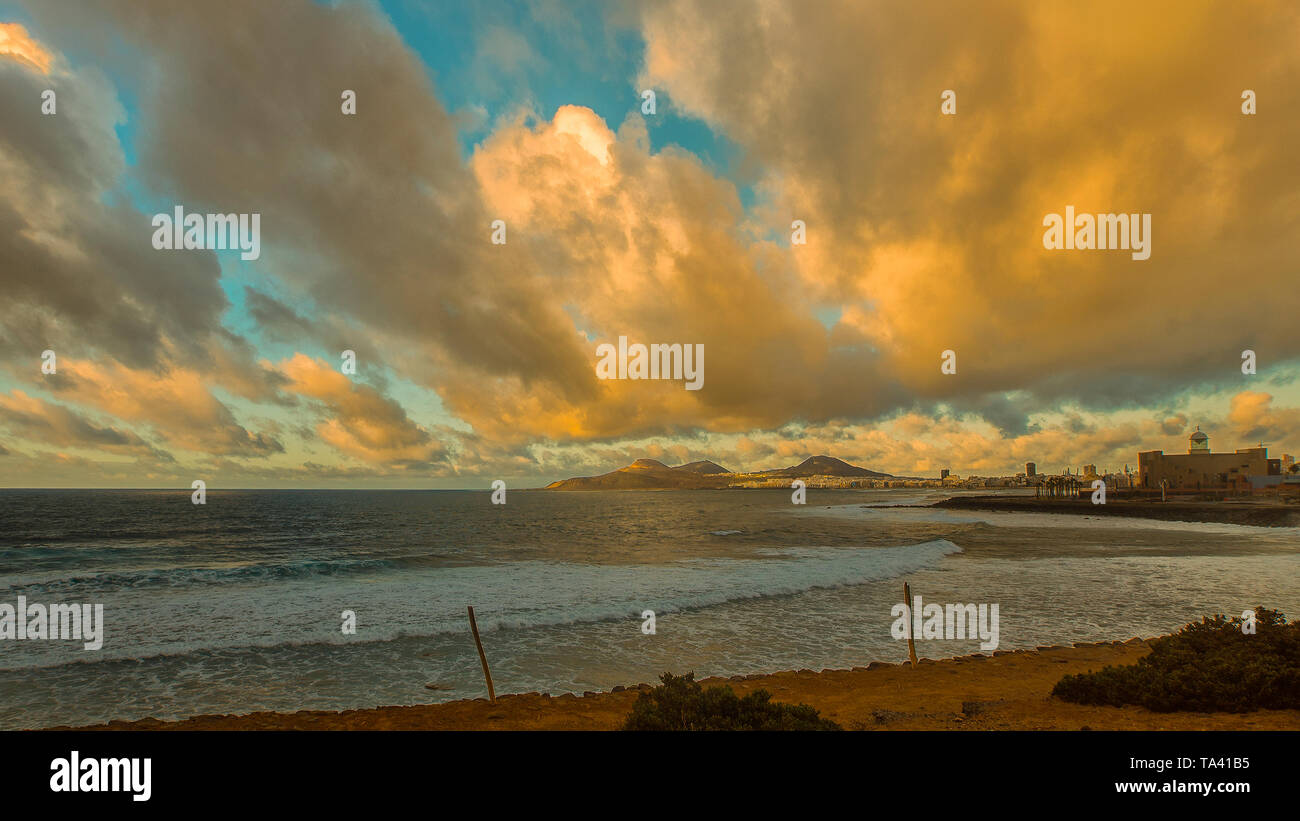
[[510, 595]]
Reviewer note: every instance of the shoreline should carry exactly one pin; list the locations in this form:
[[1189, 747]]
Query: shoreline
[[1258, 514], [1008, 690]]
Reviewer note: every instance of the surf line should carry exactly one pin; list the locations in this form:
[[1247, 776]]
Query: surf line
[[953, 622], [83, 622]]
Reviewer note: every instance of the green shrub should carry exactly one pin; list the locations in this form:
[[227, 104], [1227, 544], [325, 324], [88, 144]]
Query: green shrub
[[680, 703], [1210, 666]]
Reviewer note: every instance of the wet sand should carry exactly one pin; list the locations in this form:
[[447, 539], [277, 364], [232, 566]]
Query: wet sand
[[1005, 691], [1264, 514]]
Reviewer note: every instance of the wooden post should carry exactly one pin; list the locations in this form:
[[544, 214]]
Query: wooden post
[[492, 696], [911, 640]]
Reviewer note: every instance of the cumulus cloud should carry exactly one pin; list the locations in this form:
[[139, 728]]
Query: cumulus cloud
[[934, 222], [175, 403], [924, 234], [16, 44], [360, 421], [1253, 418], [36, 420]]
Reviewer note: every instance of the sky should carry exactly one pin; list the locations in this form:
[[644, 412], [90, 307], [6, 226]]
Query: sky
[[477, 360]]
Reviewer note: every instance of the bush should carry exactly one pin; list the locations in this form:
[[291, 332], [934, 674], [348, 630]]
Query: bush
[[680, 703], [1210, 666]]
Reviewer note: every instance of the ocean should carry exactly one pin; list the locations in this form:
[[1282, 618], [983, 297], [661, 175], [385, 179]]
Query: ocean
[[237, 606]]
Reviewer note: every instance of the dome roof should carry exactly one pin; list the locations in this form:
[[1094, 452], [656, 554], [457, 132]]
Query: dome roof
[[1198, 437]]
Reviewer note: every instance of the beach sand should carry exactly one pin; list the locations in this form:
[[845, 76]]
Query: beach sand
[[1007, 691]]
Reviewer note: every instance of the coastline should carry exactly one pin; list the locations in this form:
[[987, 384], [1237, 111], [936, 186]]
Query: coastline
[[1009, 690], [1259, 514]]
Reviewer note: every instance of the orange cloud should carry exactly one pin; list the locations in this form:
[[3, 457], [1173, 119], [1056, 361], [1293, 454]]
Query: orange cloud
[[1253, 419], [926, 228], [37, 420], [174, 401], [17, 44], [363, 423]]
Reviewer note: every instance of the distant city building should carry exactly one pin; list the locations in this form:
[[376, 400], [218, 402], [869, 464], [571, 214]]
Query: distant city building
[[1119, 481], [1030, 469], [1089, 470], [943, 474], [1200, 469]]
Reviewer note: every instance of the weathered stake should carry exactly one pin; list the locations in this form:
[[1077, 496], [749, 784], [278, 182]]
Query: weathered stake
[[473, 626], [911, 641]]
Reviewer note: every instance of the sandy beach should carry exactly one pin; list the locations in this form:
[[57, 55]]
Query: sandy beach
[[1010, 690]]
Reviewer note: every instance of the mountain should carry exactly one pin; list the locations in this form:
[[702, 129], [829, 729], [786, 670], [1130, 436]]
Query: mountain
[[651, 474], [829, 466], [702, 466]]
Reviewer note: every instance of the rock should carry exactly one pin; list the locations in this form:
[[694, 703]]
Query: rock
[[618, 688], [587, 694], [974, 708], [1134, 640]]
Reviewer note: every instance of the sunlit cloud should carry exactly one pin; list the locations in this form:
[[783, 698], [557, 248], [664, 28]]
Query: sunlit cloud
[[17, 44]]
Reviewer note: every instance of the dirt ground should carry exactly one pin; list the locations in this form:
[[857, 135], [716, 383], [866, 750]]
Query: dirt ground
[[1007, 691]]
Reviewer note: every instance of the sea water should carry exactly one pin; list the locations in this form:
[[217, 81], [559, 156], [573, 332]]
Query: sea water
[[237, 605]]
